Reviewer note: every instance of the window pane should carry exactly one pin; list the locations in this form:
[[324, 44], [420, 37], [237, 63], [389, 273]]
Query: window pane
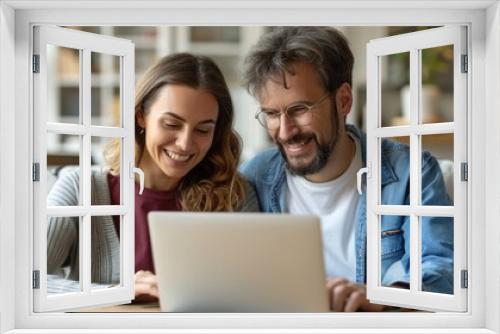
[[437, 84], [105, 93], [394, 260], [62, 255], [63, 84], [393, 197], [63, 160], [395, 89], [439, 146], [437, 254], [105, 251], [106, 165]]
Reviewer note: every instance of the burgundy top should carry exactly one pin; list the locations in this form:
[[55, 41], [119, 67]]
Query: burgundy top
[[150, 200]]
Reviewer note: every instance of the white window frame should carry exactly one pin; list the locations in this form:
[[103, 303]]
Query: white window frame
[[413, 43], [484, 148], [86, 43]]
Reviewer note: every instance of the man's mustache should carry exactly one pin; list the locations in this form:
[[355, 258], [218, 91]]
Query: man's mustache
[[296, 139]]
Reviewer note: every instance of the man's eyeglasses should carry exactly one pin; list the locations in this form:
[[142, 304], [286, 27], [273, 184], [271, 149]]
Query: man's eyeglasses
[[300, 113]]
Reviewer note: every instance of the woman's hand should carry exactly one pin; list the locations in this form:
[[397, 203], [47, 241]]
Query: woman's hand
[[146, 286], [346, 296]]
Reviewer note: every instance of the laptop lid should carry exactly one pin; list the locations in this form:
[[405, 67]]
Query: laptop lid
[[238, 262]]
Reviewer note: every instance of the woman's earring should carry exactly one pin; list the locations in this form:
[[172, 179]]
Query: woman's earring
[[141, 131]]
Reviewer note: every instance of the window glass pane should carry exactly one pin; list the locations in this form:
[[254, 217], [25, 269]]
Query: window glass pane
[[394, 252], [393, 197], [440, 178], [63, 160], [437, 84], [437, 254], [63, 84], [395, 89], [106, 165], [62, 255], [105, 94], [105, 251]]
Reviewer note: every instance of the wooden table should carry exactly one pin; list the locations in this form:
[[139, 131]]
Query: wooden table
[[148, 307]]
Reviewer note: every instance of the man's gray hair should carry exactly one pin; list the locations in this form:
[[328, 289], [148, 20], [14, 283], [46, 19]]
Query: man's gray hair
[[325, 48]]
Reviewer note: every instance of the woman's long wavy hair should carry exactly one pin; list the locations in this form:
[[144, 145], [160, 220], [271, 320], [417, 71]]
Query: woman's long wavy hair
[[213, 184]]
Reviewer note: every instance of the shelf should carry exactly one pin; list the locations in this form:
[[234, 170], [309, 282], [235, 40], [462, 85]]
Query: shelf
[[97, 80], [62, 159], [215, 49], [442, 139], [211, 34]]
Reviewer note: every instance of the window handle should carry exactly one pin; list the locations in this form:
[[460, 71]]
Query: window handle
[[135, 170], [359, 175]]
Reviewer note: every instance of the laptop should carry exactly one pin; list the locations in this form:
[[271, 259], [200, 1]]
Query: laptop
[[238, 262]]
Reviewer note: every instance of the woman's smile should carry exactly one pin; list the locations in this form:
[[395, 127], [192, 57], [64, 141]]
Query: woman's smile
[[178, 157]]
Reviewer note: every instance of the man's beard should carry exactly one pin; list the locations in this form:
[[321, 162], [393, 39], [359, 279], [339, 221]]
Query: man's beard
[[324, 151], [318, 163]]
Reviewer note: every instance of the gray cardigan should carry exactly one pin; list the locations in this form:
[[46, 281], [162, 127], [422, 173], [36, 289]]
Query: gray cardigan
[[62, 233]]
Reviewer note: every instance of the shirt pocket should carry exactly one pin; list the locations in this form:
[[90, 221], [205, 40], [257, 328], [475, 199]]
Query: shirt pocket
[[392, 242]]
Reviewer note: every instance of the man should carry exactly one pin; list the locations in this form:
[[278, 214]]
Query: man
[[301, 77]]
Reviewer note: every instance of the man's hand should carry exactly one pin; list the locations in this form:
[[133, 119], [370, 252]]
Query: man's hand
[[346, 296], [146, 286]]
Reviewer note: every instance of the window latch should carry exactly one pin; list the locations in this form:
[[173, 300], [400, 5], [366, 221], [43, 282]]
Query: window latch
[[135, 170], [366, 170]]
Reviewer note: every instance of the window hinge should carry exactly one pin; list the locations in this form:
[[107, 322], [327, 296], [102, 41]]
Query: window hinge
[[464, 279], [464, 171], [36, 63], [465, 66], [36, 279], [36, 172]]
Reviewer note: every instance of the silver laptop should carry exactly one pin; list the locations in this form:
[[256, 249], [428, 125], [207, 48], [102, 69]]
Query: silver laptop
[[238, 262]]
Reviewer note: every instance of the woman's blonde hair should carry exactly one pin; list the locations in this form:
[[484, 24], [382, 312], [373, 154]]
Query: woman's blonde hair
[[213, 184]]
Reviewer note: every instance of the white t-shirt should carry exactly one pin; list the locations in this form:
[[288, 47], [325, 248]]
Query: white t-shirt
[[335, 202]]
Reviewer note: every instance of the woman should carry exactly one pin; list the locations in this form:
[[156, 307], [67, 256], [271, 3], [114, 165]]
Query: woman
[[188, 152]]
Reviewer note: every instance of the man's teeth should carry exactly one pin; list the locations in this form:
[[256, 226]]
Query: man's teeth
[[178, 157], [297, 145]]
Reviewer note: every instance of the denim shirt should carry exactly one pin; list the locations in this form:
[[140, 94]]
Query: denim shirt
[[266, 172]]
